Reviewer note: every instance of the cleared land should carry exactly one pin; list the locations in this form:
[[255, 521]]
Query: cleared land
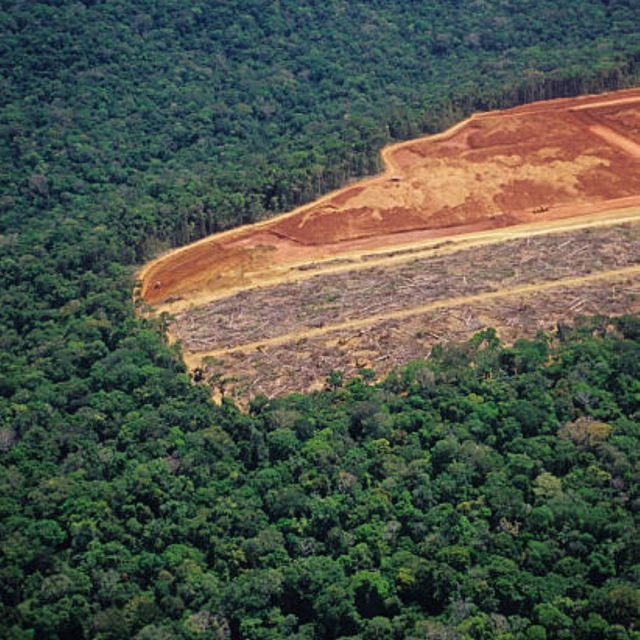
[[539, 162], [286, 337], [462, 231], [332, 299], [302, 365]]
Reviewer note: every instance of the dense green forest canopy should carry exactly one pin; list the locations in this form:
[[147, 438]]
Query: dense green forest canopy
[[165, 120], [492, 493]]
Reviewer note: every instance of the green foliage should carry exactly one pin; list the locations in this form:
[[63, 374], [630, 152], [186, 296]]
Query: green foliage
[[203, 524], [440, 504], [352, 512]]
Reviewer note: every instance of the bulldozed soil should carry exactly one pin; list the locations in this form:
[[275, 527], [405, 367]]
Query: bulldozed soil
[[537, 162], [361, 277]]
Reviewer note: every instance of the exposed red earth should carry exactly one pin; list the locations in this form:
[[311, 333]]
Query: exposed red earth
[[562, 176], [534, 163]]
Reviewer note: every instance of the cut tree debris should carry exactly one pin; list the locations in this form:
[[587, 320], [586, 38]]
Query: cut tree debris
[[319, 303]]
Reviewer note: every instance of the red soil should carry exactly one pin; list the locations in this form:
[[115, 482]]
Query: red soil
[[545, 160]]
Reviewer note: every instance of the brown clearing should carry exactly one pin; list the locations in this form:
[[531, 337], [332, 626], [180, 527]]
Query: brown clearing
[[559, 158], [276, 370], [368, 321], [546, 168], [286, 312], [286, 337]]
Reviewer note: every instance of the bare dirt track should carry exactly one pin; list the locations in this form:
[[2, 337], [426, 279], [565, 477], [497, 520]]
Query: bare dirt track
[[549, 167]]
